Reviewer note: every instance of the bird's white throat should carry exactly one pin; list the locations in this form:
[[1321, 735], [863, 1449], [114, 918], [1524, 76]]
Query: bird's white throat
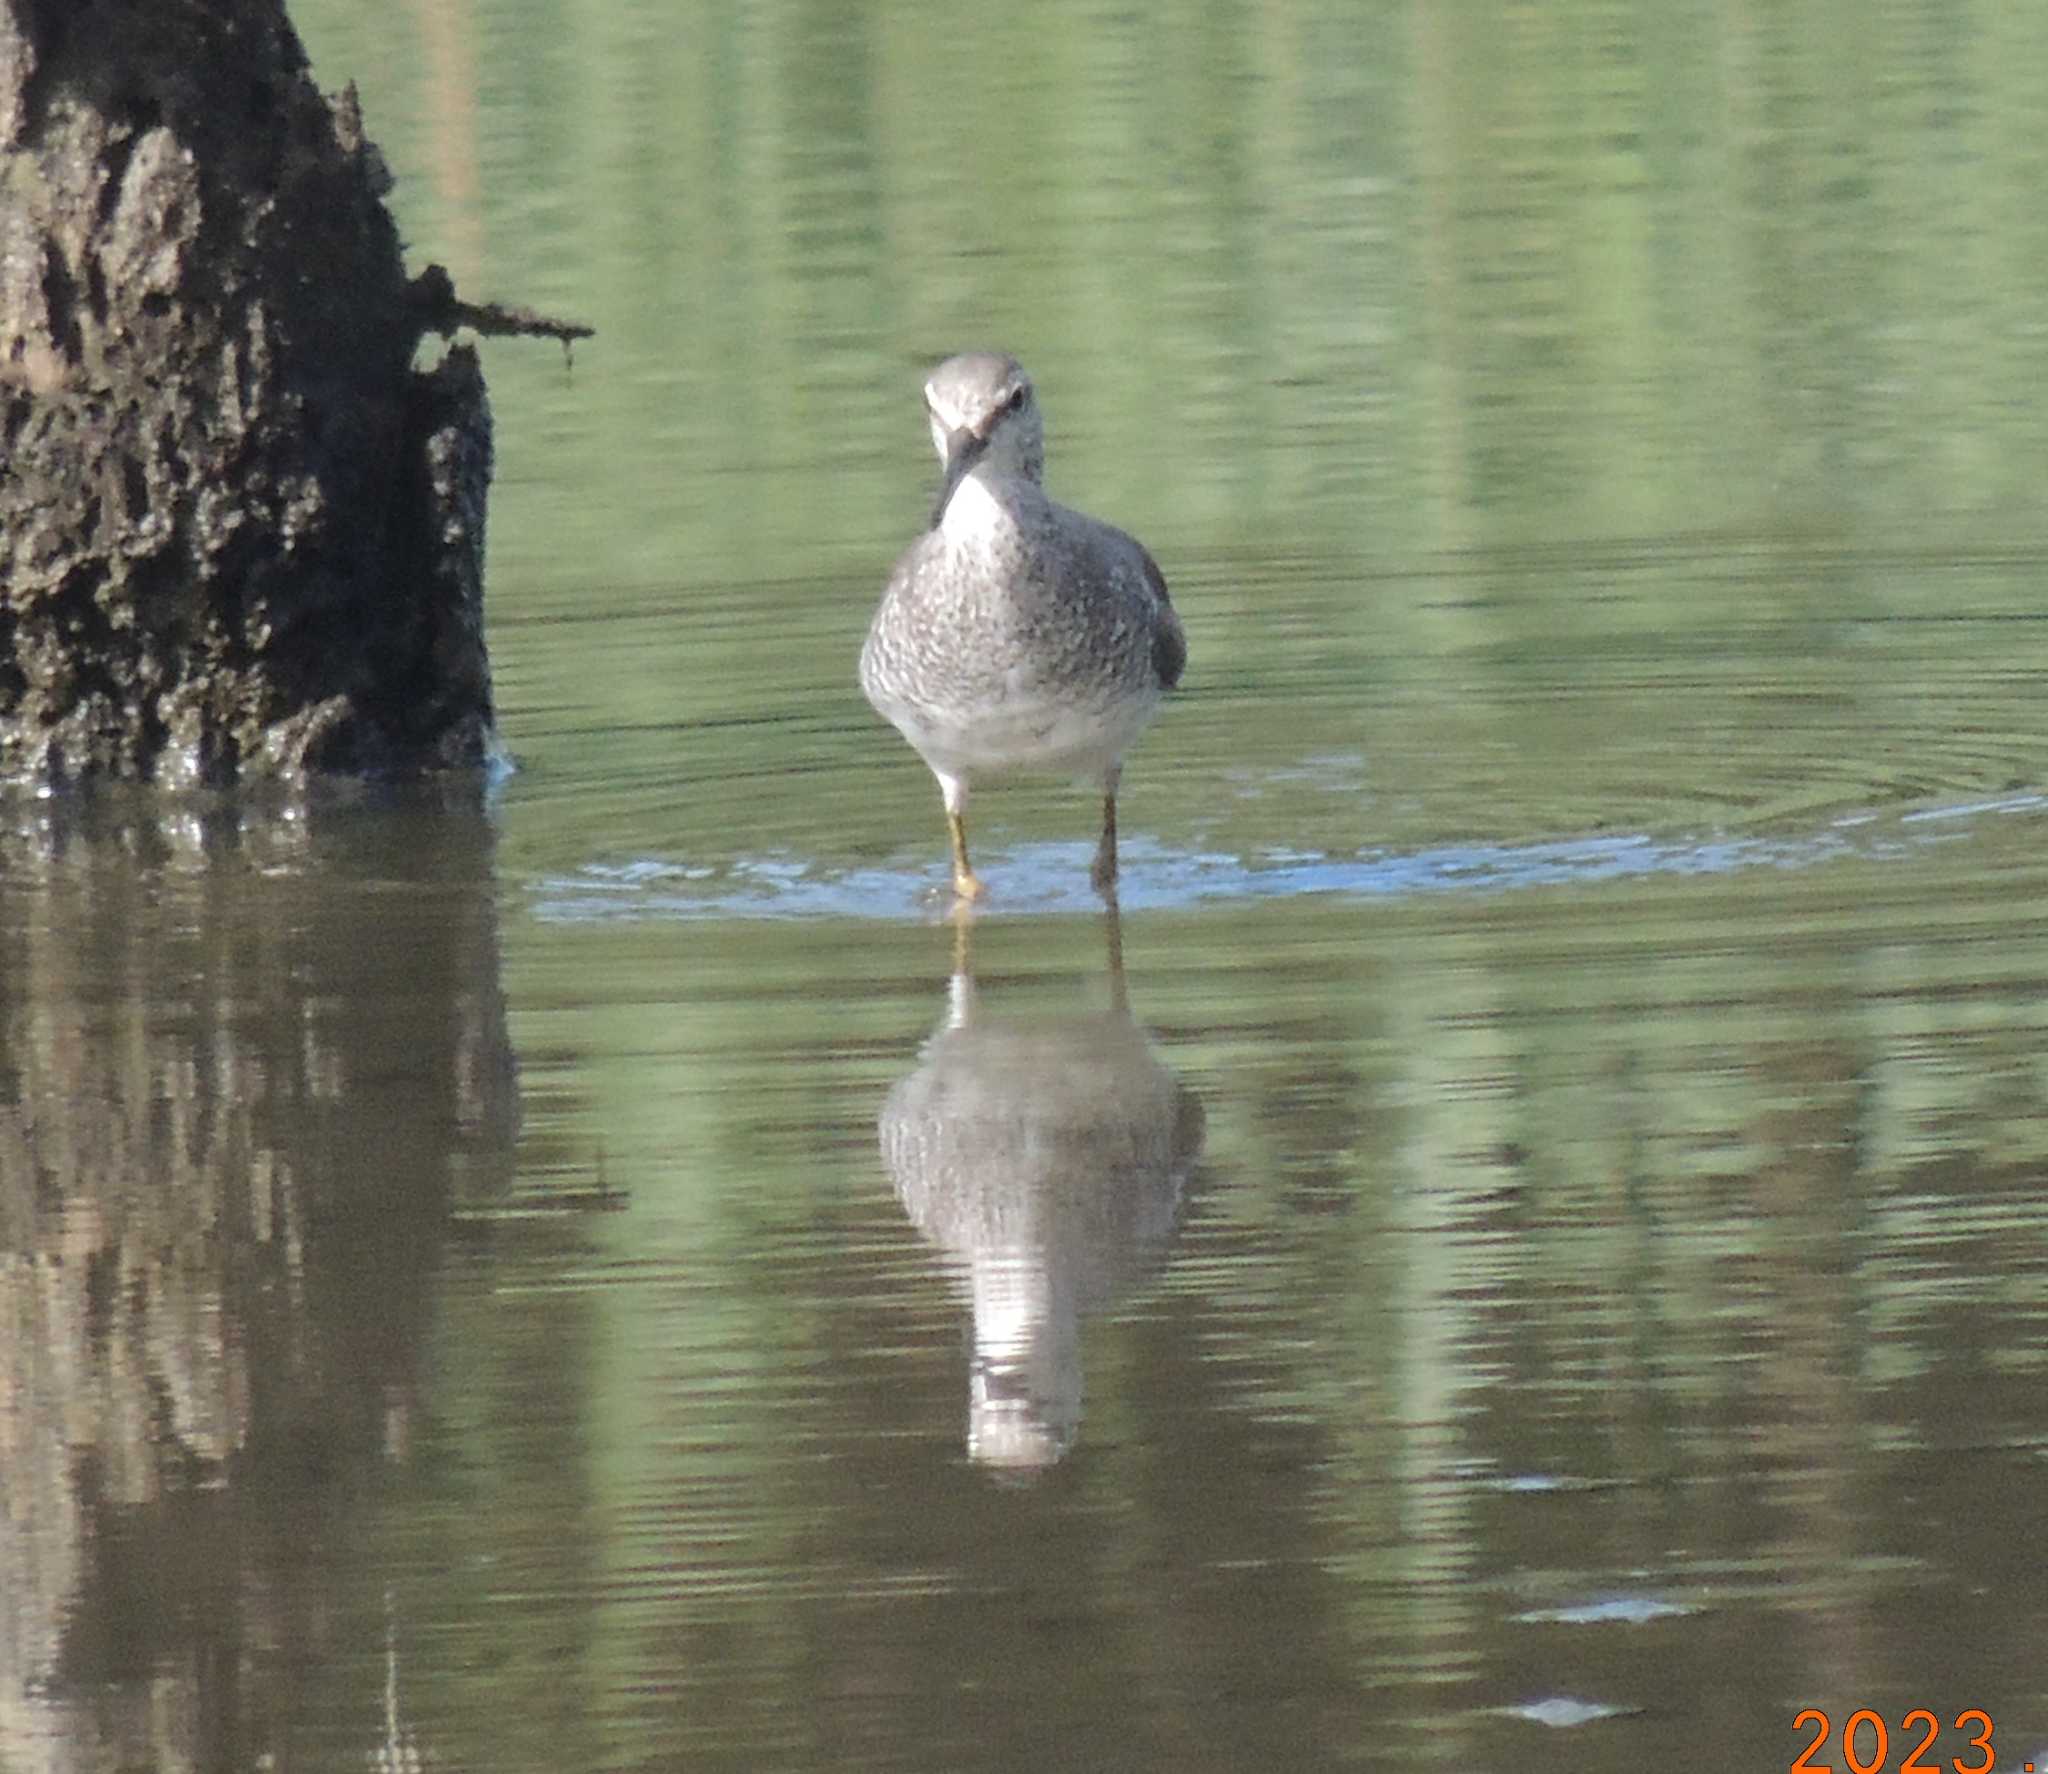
[[974, 516]]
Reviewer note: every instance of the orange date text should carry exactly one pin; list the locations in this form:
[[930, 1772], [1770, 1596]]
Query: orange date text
[[1867, 1742]]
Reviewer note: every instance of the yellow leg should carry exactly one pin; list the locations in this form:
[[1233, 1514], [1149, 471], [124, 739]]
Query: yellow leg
[[964, 882], [1113, 927], [1103, 874]]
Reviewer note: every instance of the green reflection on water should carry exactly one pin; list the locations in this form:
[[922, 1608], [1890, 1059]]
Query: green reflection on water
[[1396, 277]]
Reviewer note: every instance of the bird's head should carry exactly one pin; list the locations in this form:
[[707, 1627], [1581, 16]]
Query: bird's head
[[983, 412]]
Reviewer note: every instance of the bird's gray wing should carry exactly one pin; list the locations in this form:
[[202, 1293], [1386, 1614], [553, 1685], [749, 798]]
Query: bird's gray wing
[[1169, 641]]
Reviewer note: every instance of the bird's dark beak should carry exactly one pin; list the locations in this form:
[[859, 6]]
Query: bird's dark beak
[[964, 448]]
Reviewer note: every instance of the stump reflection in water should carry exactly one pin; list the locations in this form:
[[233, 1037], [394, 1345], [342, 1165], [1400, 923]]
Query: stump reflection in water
[[246, 1064]]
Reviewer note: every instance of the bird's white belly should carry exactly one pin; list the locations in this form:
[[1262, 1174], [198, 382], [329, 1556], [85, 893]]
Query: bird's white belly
[[1058, 738]]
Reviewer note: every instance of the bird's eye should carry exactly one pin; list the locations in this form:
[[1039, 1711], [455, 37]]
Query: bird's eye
[[1018, 398]]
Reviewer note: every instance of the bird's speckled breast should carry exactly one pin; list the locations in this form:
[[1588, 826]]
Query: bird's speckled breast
[[1019, 634]]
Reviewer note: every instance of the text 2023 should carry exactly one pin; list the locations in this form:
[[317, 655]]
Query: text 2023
[[1867, 1742]]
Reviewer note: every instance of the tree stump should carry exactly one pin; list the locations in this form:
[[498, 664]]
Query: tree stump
[[240, 532]]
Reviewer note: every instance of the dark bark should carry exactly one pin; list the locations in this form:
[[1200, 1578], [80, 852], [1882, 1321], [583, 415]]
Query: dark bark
[[239, 531]]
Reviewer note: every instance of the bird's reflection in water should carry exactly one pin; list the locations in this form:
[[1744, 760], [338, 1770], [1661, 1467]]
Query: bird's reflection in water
[[1048, 1159]]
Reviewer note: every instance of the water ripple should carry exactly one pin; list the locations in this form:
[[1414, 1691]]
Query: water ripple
[[1053, 878]]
